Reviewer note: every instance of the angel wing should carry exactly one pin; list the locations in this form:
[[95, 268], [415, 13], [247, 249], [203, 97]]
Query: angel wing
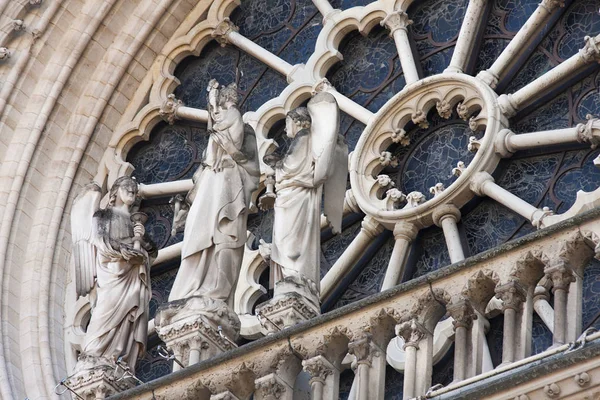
[[85, 205], [325, 116], [334, 189]]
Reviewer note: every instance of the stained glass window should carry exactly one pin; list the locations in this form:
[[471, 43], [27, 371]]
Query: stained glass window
[[370, 74]]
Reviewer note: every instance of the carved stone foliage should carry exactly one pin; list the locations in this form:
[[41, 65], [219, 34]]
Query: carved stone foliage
[[512, 295]]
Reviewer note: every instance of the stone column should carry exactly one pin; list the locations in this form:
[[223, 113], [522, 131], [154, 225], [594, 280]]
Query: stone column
[[447, 218], [178, 353], [412, 332], [226, 32], [561, 276], [462, 313], [512, 295], [195, 348], [324, 378], [474, 18], [404, 234], [173, 109], [370, 229], [542, 306], [535, 22], [346, 104], [483, 184], [362, 349], [397, 22]]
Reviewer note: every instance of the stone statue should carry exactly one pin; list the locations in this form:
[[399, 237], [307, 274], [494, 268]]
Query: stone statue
[[112, 259], [315, 166], [215, 227]]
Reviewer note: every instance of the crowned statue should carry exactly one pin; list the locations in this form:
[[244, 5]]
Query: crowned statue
[[112, 257], [215, 224], [313, 170]]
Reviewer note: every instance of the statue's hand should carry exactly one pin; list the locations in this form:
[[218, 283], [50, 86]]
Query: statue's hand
[[271, 159], [134, 256], [239, 157]]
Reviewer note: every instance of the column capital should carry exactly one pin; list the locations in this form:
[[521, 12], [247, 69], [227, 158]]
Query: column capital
[[270, 387], [551, 5], [507, 105], [414, 199], [590, 131], [396, 20], [168, 109], [462, 312], [363, 349], [371, 227], [222, 31], [478, 182], [412, 332], [446, 211], [591, 51], [405, 230], [561, 275], [512, 295], [4, 53], [318, 368]]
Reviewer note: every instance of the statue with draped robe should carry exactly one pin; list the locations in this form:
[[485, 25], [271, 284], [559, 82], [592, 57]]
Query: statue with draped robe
[[112, 258]]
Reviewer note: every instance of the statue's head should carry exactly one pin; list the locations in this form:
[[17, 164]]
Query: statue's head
[[229, 94], [123, 191], [296, 120]]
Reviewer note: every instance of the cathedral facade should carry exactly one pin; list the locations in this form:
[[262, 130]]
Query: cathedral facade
[[464, 262]]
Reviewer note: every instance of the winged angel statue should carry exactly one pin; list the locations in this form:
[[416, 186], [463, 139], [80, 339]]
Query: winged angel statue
[[112, 255], [314, 167]]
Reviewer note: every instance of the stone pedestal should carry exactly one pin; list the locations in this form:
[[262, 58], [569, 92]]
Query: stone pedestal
[[97, 379], [294, 300], [197, 328]]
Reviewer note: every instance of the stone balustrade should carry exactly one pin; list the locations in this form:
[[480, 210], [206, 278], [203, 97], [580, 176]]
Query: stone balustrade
[[512, 279]]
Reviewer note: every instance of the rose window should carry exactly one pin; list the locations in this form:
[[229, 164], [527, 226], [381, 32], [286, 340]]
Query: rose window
[[468, 128]]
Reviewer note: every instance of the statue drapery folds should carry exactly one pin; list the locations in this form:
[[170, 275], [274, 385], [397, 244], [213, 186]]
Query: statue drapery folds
[[112, 257], [314, 167]]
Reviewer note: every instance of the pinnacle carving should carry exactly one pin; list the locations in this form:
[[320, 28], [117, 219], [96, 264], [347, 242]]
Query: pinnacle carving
[[222, 31], [168, 110], [591, 51], [396, 20]]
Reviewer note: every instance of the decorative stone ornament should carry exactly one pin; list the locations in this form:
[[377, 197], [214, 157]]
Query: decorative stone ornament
[[168, 110], [99, 382], [472, 99], [223, 29], [4, 53]]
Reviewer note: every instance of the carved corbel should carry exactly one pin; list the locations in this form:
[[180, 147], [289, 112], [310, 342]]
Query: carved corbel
[[460, 168], [411, 332], [414, 199], [168, 110], [474, 144], [318, 368], [4, 53], [420, 118], [363, 349], [393, 199], [400, 136], [387, 159], [462, 312], [270, 387], [590, 131], [444, 109], [512, 295], [437, 189], [222, 31]]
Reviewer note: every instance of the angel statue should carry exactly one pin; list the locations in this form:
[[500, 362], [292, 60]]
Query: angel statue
[[112, 257], [215, 226], [315, 166]]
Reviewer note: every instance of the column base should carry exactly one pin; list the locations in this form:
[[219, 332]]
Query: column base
[[295, 300], [197, 323], [96, 378]]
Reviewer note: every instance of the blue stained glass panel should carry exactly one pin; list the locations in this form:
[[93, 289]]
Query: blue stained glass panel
[[541, 337], [346, 379], [494, 339], [443, 371], [591, 295], [151, 366], [394, 382], [586, 178], [159, 223], [345, 4], [334, 247], [161, 288], [431, 250]]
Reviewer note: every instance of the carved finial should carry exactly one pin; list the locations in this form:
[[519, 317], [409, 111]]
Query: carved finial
[[551, 5], [420, 118], [463, 111], [437, 189], [4, 53], [396, 20], [394, 198], [222, 30], [400, 136], [591, 51], [168, 110], [386, 158], [444, 109], [322, 85], [413, 199], [590, 131], [18, 25], [473, 145], [385, 180], [460, 168]]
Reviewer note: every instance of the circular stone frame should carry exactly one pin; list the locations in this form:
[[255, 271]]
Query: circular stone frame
[[474, 100]]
